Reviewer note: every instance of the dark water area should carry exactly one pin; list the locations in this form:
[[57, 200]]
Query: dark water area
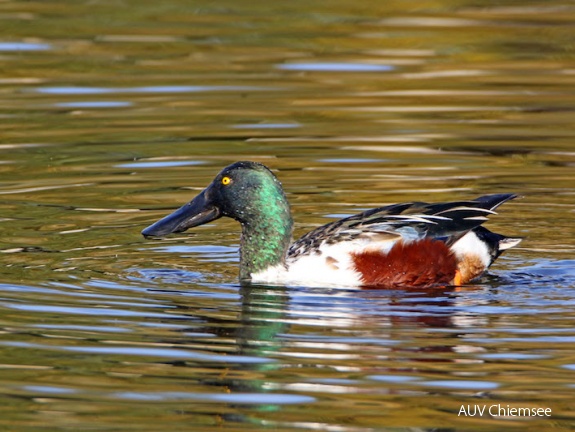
[[113, 114]]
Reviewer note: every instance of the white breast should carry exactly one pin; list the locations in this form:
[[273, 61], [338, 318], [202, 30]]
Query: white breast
[[331, 265]]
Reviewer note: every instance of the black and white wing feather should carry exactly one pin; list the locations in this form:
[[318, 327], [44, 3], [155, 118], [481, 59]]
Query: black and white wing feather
[[408, 221]]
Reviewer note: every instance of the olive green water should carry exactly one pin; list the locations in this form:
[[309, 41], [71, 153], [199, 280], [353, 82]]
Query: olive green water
[[114, 113]]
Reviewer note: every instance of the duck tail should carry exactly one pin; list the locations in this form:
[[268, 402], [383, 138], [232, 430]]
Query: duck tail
[[496, 243], [491, 202]]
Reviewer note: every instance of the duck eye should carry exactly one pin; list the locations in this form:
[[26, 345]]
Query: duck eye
[[226, 181]]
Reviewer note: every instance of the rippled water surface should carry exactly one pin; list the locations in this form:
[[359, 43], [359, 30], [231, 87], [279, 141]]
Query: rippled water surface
[[114, 113]]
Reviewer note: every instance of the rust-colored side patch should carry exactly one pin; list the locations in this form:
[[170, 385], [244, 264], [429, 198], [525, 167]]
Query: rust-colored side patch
[[418, 264]]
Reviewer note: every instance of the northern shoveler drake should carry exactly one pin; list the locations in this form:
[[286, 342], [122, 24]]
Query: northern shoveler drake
[[414, 244]]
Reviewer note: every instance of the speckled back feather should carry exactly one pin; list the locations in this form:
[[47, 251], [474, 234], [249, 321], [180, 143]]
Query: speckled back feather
[[410, 221]]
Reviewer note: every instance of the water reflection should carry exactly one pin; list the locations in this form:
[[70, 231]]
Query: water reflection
[[146, 89], [24, 46], [265, 329], [335, 67], [113, 107], [94, 104], [266, 349]]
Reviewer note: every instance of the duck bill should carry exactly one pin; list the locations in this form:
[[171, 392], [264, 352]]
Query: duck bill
[[197, 212]]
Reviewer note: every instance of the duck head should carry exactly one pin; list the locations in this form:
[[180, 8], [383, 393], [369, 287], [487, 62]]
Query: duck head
[[244, 191], [251, 194]]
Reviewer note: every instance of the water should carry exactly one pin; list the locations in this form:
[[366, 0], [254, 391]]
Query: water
[[113, 114]]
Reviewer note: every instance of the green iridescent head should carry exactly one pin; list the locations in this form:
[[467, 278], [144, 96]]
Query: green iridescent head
[[251, 194]]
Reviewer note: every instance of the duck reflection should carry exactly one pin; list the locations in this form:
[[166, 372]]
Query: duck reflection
[[338, 335]]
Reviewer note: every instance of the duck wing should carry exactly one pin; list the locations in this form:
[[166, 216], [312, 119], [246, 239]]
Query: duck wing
[[407, 221]]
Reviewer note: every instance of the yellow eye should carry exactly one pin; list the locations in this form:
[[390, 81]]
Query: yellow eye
[[226, 181]]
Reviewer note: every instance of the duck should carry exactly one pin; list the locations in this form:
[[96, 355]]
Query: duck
[[405, 245]]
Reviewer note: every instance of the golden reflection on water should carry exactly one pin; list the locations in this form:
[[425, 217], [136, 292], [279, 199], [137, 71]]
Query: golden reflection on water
[[113, 114]]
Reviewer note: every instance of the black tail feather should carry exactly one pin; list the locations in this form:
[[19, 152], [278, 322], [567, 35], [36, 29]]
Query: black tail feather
[[491, 202]]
